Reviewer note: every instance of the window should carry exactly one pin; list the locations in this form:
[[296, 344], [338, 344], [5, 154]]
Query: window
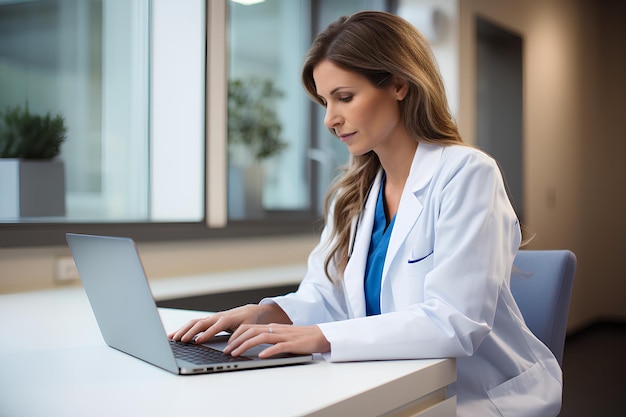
[[267, 42], [129, 118], [269, 167], [129, 79]]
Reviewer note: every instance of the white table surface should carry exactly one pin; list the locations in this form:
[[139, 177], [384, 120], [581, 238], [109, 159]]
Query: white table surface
[[54, 362]]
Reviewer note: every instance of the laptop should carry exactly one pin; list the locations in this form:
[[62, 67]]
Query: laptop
[[117, 288]]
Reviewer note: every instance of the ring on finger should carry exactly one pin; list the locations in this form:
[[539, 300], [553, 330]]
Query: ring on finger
[[270, 330]]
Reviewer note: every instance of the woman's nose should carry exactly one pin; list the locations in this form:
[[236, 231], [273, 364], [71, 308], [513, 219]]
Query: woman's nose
[[332, 119]]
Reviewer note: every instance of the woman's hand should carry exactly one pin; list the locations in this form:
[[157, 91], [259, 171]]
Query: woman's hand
[[228, 320], [285, 338]]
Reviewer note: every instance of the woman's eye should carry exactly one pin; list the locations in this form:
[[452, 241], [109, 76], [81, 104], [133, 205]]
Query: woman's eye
[[345, 99]]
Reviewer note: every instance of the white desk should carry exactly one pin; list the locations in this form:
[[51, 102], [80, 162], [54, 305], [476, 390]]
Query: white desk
[[53, 362]]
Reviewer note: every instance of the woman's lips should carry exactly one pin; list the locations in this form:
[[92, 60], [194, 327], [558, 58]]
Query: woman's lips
[[344, 137]]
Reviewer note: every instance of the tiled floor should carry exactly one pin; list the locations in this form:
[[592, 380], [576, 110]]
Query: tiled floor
[[594, 372]]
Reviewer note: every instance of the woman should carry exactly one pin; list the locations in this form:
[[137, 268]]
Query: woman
[[420, 237]]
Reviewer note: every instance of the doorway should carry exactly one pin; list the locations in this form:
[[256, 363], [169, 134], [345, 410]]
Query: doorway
[[500, 103]]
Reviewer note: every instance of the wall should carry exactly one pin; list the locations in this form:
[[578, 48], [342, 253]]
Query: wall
[[574, 124], [33, 269]]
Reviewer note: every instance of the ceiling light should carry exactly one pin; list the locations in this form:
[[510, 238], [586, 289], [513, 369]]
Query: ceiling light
[[248, 2]]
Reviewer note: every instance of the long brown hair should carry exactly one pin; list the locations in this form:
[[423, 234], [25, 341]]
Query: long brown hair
[[381, 47]]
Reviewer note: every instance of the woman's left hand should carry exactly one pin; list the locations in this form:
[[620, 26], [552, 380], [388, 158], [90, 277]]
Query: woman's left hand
[[284, 338]]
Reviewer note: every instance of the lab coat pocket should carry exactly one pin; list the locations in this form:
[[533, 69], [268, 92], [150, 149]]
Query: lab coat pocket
[[419, 264], [418, 258], [532, 393], [420, 250]]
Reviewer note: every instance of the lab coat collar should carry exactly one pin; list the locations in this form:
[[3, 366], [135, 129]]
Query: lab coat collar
[[424, 163]]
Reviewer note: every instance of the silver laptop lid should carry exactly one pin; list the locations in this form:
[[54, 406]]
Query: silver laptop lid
[[119, 294]]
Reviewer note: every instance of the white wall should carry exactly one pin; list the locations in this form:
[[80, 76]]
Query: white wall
[[438, 20], [33, 269], [574, 125]]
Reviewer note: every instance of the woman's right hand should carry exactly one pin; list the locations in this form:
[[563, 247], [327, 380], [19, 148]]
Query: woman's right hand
[[229, 321]]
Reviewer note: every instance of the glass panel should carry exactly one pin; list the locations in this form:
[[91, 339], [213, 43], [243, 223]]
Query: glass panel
[[268, 111], [329, 152], [90, 63], [267, 42]]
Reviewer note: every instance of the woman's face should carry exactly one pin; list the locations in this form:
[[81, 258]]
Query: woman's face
[[362, 116]]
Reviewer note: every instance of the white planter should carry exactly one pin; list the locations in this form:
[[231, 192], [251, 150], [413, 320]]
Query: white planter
[[245, 192], [32, 188]]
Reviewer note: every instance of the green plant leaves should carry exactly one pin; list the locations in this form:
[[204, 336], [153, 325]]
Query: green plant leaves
[[252, 118], [30, 136]]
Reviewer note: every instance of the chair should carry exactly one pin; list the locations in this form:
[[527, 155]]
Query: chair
[[541, 284]]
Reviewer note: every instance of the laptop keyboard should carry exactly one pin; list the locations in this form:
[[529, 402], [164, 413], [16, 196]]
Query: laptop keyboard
[[200, 354]]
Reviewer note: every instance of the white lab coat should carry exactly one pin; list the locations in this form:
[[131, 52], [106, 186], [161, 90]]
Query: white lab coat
[[445, 289]]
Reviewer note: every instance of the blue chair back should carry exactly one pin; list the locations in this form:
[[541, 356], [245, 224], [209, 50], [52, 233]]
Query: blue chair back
[[541, 284]]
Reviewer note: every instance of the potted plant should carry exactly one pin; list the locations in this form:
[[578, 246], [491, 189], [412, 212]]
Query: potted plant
[[32, 178], [254, 136]]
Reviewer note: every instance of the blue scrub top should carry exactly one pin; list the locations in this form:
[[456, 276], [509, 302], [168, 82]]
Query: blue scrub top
[[379, 243]]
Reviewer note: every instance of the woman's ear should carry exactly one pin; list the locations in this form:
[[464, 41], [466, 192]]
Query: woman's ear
[[401, 87]]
